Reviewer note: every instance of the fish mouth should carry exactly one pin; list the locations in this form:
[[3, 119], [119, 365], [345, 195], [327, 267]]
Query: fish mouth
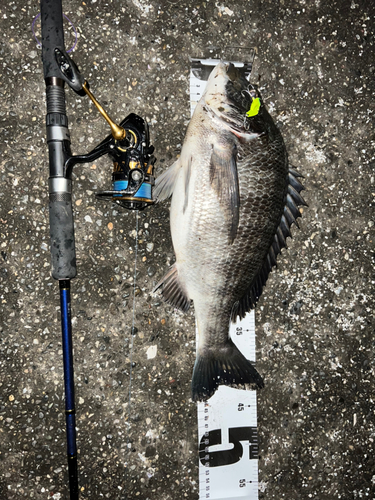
[[236, 93], [229, 96], [232, 72]]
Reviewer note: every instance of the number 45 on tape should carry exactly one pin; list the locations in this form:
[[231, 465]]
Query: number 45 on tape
[[227, 433]]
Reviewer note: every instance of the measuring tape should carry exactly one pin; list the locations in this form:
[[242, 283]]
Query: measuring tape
[[227, 422]]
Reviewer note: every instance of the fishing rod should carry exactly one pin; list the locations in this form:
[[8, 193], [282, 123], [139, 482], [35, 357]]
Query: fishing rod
[[128, 146]]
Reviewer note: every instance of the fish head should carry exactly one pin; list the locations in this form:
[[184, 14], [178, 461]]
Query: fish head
[[230, 97]]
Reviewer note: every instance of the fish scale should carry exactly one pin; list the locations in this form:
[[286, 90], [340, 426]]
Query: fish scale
[[252, 227], [234, 200]]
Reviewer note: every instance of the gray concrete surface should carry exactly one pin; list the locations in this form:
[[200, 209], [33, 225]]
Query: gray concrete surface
[[315, 319]]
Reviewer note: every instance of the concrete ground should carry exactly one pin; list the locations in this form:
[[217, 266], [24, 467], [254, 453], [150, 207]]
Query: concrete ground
[[314, 322]]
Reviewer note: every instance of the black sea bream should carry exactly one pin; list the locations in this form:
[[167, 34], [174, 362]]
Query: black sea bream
[[234, 200]]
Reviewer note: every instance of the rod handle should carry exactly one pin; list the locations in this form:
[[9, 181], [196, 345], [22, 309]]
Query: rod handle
[[63, 254]]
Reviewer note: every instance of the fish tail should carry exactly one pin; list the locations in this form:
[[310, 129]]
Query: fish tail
[[226, 366]]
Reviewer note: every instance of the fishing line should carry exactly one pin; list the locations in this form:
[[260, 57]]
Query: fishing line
[[132, 331]]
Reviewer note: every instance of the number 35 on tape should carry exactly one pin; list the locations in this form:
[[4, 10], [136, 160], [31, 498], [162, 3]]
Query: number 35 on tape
[[228, 446]]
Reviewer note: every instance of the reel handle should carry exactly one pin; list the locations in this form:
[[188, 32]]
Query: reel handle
[[118, 132], [69, 72]]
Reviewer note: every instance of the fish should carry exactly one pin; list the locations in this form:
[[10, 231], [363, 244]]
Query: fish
[[234, 200]]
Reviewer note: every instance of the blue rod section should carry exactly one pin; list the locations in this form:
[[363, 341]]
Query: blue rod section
[[67, 344]]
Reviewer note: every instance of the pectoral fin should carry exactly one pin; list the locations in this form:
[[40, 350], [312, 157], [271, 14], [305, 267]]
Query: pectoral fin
[[187, 183], [224, 180], [166, 182]]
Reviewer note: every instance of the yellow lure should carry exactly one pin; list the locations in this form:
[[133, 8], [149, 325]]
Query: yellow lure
[[254, 108]]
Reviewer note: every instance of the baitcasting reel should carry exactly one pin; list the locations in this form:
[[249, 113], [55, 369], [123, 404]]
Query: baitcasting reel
[[128, 146]]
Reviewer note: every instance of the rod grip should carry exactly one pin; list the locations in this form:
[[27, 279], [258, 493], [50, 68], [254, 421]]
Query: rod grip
[[63, 254]]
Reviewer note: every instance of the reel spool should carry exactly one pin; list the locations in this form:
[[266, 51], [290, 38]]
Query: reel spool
[[132, 177]]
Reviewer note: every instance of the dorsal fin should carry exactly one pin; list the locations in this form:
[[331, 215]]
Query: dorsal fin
[[289, 217]]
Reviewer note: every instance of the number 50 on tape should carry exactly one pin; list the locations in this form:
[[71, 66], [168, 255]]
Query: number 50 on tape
[[228, 445]]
